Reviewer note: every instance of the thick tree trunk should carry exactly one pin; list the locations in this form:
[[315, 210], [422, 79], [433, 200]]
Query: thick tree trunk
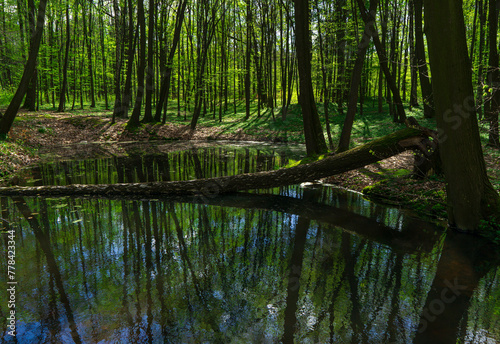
[[372, 152], [471, 197], [313, 132]]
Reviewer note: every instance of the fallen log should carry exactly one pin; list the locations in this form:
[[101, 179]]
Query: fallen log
[[376, 150]]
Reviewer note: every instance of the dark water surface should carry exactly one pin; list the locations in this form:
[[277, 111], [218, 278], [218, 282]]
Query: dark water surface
[[303, 264]]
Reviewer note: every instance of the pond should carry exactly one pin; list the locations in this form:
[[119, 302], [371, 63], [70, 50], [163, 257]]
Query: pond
[[306, 264]]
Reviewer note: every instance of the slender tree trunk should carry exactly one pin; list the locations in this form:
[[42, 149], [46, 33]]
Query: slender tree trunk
[[150, 72], [208, 20], [364, 43], [122, 110], [492, 105], [425, 83], [31, 94], [480, 72], [341, 14], [368, 17], [62, 94], [165, 81], [104, 64], [248, 57], [11, 112], [413, 59], [119, 30], [87, 34], [141, 22]]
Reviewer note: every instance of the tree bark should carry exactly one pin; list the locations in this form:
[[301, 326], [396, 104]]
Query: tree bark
[[11, 112], [371, 152], [368, 17], [150, 75], [425, 83], [471, 197], [141, 22], [62, 95], [313, 132], [248, 57], [345, 136], [492, 105], [165, 81], [31, 96]]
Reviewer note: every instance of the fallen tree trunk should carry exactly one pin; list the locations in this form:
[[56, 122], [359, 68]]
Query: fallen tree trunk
[[379, 149]]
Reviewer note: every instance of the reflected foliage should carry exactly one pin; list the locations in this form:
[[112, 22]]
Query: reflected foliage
[[161, 271], [295, 264]]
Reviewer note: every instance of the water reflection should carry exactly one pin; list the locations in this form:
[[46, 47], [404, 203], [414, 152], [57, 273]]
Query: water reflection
[[186, 272], [303, 265], [158, 163]]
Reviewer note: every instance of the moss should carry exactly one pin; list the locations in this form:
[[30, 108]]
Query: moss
[[307, 160]]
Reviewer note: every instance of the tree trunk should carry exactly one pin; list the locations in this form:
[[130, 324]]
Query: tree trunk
[[141, 22], [30, 100], [369, 30], [326, 94], [492, 105], [413, 60], [150, 72], [62, 95], [345, 136], [87, 36], [425, 84], [11, 112], [119, 32], [313, 132], [379, 149], [471, 197], [248, 58], [368, 17], [165, 81]]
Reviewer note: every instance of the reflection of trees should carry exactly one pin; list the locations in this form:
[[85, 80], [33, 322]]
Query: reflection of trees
[[43, 238], [294, 275], [220, 272], [463, 263], [140, 167]]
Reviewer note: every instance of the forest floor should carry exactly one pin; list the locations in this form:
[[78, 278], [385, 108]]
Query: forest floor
[[389, 181]]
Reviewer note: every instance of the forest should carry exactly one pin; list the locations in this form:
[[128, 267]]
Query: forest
[[251, 171], [151, 62]]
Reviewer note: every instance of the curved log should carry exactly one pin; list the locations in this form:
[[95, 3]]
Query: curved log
[[379, 149]]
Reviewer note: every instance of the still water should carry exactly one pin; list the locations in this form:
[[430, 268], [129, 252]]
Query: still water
[[303, 264]]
